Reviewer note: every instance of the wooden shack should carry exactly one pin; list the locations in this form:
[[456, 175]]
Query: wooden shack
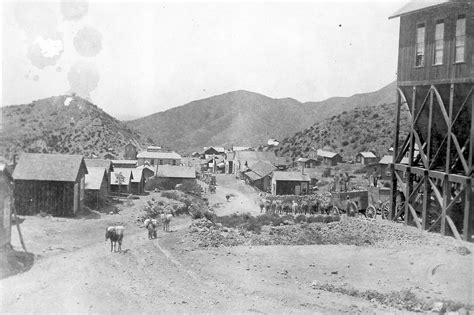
[[366, 158], [121, 180], [138, 181], [290, 183], [106, 164], [96, 188], [51, 183]]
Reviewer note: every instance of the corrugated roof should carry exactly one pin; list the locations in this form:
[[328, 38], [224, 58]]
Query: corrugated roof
[[367, 154], [291, 176], [137, 175], [48, 167], [417, 5], [262, 168], [173, 171], [126, 172], [327, 154], [94, 178], [159, 155], [252, 175], [98, 163]]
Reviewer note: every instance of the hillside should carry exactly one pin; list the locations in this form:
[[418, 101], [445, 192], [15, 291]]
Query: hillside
[[245, 118], [361, 129], [63, 124]]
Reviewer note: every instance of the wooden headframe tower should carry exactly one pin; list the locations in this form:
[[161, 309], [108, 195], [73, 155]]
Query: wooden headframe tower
[[435, 85]]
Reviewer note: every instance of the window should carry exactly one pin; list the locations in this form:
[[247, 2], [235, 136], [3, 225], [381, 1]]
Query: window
[[439, 43], [152, 162], [161, 162], [460, 38], [420, 45]]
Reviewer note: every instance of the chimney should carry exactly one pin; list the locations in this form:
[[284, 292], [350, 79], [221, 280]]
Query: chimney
[[14, 160], [302, 168]]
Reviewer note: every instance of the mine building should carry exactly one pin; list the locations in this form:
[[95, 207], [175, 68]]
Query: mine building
[[435, 83]]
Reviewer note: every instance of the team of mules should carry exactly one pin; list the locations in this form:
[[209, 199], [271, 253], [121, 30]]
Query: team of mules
[[314, 204]]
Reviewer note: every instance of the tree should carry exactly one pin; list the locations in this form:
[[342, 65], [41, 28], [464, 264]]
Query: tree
[[121, 180]]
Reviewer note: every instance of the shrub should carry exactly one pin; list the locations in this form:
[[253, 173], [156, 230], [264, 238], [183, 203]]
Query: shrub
[[190, 187], [300, 218], [170, 195]]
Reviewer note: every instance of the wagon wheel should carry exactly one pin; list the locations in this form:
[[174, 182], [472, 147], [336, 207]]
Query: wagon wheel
[[352, 209], [385, 210], [371, 212], [334, 210]]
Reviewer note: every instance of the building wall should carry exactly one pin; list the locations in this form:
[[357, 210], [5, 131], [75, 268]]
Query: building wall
[[407, 72], [130, 152], [288, 187], [95, 199], [5, 211], [56, 198], [154, 162]]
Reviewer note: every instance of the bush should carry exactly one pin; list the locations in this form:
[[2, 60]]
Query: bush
[[170, 195], [300, 218], [190, 187]]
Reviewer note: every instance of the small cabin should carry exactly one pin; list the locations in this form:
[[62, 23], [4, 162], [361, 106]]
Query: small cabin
[[328, 158], [290, 183], [121, 180], [50, 183], [97, 186], [366, 158], [130, 152], [138, 181]]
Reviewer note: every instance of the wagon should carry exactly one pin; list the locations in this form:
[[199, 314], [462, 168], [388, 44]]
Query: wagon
[[371, 202]]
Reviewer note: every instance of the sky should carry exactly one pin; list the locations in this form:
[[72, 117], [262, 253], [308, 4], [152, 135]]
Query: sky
[[137, 58]]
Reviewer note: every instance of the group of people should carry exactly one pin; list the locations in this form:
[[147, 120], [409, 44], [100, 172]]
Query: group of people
[[341, 182]]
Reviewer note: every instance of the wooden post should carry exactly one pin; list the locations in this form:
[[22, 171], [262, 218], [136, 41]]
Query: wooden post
[[450, 114], [446, 194], [393, 192], [468, 229], [426, 199]]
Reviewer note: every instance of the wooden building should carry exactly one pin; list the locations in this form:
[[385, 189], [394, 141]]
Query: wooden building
[[307, 162], [109, 156], [210, 152], [290, 183], [5, 206], [51, 183], [328, 158], [168, 176], [96, 187], [121, 180], [259, 175], [130, 151], [366, 158], [138, 182], [124, 163], [105, 164], [155, 158], [435, 81], [148, 171]]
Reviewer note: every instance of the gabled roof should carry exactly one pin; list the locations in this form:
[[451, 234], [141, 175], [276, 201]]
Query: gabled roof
[[94, 178], [252, 175], [262, 168], [126, 172], [327, 154], [149, 167], [137, 175], [291, 176], [386, 159], [417, 5], [367, 154], [107, 164], [218, 149], [49, 167], [173, 171], [159, 155]]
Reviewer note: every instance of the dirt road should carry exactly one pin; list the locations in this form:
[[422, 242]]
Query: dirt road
[[243, 197], [74, 270]]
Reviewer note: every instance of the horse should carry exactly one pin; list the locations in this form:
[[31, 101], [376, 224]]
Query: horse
[[115, 233]]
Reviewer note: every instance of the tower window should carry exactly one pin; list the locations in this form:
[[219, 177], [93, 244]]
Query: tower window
[[439, 43], [460, 38], [420, 45]]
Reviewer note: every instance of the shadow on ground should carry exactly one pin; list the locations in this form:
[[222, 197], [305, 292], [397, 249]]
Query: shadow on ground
[[13, 262]]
